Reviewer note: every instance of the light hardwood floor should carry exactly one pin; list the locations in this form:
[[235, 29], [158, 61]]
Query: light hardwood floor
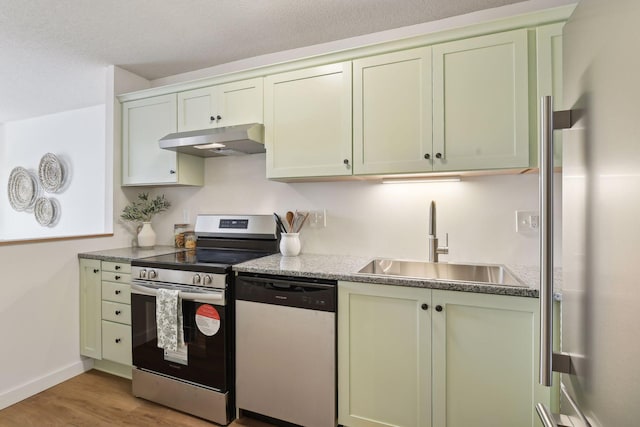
[[96, 399]]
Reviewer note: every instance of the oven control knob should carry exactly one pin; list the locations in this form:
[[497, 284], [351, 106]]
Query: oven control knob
[[152, 274], [207, 280], [196, 279], [143, 274]]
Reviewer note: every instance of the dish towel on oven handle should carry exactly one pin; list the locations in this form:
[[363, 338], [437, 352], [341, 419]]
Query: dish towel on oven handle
[[169, 319]]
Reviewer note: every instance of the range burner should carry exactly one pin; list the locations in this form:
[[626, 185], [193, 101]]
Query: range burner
[[223, 241]]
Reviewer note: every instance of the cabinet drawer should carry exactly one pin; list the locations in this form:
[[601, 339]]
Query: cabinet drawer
[[116, 277], [116, 342], [116, 267], [116, 312], [116, 292]]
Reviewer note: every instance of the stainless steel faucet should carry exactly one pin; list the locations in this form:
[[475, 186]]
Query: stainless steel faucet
[[433, 248]]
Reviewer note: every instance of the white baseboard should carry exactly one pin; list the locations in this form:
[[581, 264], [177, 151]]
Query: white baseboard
[[37, 385]]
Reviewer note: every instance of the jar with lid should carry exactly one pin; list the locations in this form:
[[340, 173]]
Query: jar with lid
[[178, 234], [190, 240]]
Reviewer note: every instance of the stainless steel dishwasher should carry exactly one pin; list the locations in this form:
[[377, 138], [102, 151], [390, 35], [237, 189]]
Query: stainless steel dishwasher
[[286, 348]]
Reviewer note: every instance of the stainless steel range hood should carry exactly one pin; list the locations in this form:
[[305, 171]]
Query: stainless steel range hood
[[225, 141]]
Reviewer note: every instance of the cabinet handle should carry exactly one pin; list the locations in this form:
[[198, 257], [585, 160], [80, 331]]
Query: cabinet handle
[[118, 340], [95, 270], [438, 308], [117, 267], [118, 292], [427, 156], [346, 162], [172, 172], [212, 118], [218, 117], [438, 155], [117, 277], [425, 306], [118, 312]]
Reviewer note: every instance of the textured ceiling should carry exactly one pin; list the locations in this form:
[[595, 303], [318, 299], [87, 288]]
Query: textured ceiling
[[53, 53]]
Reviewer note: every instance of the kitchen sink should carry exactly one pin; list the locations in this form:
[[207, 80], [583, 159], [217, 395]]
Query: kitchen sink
[[480, 273]]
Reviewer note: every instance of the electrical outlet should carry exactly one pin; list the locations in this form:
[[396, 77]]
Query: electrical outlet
[[527, 222], [318, 218]]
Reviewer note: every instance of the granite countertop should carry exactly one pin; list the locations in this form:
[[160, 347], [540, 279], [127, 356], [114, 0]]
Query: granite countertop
[[127, 254], [345, 267]]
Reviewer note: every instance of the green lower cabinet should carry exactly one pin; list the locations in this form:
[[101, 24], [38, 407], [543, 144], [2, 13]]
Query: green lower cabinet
[[384, 356], [484, 355], [422, 357]]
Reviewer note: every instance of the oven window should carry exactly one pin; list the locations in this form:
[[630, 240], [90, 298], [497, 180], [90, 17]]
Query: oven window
[[205, 335]]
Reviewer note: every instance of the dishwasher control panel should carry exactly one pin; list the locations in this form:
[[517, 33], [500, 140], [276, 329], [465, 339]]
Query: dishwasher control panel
[[312, 294]]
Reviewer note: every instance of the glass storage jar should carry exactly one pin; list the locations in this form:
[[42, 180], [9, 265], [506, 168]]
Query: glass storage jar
[[178, 234]]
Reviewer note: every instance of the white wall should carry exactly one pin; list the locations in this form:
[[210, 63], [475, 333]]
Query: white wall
[[77, 138], [39, 289], [373, 219]]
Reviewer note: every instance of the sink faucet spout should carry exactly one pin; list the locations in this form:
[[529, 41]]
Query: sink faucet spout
[[433, 249]]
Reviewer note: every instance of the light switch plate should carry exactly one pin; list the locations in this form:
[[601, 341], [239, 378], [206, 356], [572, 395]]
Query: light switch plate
[[527, 222]]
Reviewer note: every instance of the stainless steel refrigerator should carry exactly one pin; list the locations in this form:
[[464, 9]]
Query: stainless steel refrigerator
[[600, 322]]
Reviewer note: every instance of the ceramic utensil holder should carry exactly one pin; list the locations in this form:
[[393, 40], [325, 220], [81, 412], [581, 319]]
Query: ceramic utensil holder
[[290, 244]]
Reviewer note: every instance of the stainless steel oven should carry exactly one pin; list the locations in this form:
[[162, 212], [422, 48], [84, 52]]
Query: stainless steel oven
[[198, 378]]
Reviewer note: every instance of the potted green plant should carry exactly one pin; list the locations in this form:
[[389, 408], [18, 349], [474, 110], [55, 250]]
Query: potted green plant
[[142, 211]]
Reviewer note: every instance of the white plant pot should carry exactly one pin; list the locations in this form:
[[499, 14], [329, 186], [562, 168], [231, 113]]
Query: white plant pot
[[290, 244], [146, 236]]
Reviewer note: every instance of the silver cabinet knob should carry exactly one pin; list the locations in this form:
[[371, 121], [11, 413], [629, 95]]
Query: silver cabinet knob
[[196, 279], [207, 280], [152, 274], [143, 274]]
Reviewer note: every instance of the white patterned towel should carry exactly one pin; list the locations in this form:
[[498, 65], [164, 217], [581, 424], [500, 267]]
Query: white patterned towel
[[169, 319]]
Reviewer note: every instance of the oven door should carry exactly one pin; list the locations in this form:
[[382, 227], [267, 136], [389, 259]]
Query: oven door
[[203, 360]]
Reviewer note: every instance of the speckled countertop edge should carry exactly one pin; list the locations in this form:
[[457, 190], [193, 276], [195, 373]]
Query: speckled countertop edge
[[127, 254], [345, 267]]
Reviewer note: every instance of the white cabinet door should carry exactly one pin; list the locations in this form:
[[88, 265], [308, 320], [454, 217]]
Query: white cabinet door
[[222, 105], [484, 360], [392, 113], [197, 109], [308, 122], [549, 67], [144, 123], [384, 355], [241, 103], [90, 308], [480, 109]]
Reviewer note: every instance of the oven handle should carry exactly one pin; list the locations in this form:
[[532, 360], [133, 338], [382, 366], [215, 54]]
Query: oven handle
[[212, 297]]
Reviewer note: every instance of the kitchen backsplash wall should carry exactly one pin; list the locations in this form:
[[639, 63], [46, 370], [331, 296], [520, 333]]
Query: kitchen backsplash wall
[[374, 219]]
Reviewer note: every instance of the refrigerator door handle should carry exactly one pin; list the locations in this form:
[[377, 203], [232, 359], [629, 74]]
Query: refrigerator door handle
[[546, 416], [546, 240], [549, 121], [576, 419]]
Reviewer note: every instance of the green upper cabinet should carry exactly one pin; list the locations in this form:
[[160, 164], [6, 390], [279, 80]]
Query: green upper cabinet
[[549, 70], [221, 105], [307, 118], [144, 122], [480, 103], [392, 113]]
